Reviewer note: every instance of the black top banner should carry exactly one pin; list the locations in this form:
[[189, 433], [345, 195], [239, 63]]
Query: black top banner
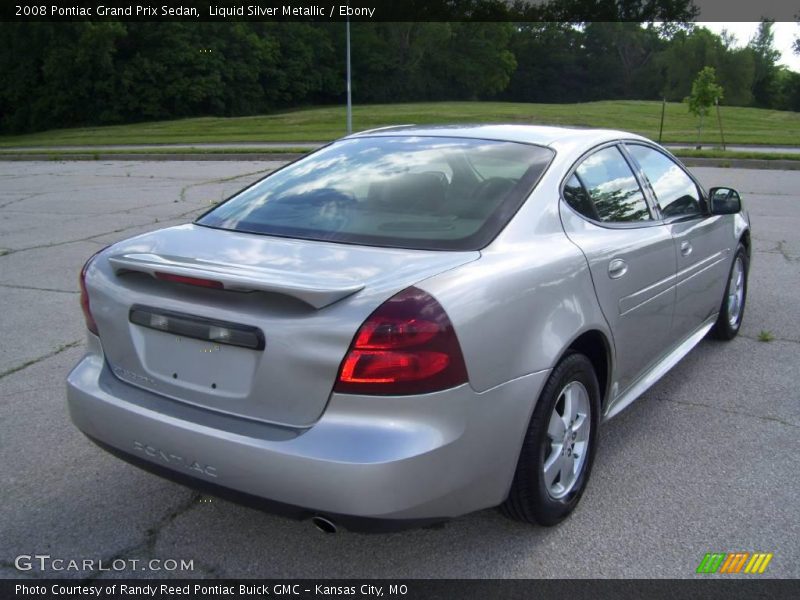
[[398, 10]]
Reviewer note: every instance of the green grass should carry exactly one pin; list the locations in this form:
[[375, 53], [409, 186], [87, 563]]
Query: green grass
[[90, 154], [742, 125], [765, 336], [685, 153], [171, 150]]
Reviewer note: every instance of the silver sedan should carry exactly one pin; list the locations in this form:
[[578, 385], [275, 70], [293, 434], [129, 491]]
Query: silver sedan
[[411, 323]]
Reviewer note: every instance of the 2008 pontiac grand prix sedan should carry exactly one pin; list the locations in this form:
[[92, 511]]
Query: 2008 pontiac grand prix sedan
[[411, 323]]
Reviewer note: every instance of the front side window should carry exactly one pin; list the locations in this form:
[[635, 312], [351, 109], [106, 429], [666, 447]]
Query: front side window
[[612, 187], [396, 191], [676, 193]]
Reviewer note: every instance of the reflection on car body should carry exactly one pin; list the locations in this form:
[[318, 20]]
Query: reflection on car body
[[412, 323]]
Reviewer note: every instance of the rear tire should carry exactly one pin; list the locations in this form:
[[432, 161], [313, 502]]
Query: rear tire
[[559, 446], [733, 302]]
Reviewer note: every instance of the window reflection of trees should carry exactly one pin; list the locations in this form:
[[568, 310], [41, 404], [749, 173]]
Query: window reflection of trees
[[619, 204], [612, 187], [675, 191]]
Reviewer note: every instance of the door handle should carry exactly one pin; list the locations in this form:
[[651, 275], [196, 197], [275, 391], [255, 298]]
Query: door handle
[[617, 268], [686, 248]]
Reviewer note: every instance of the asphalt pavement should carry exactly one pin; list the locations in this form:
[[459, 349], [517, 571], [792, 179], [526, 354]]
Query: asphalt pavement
[[706, 461]]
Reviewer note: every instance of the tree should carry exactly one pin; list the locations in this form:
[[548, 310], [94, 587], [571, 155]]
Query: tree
[[549, 65], [472, 62], [766, 64], [689, 52], [788, 90], [640, 11], [94, 73], [797, 39], [616, 55], [705, 93]]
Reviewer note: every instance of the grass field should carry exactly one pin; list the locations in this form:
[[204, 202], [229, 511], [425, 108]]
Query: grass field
[[741, 125], [289, 153]]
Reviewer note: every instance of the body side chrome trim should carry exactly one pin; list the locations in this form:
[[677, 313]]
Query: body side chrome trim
[[634, 301], [700, 266]]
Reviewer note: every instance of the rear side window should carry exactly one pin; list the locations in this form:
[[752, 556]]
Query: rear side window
[[612, 188], [397, 191], [577, 198], [675, 191]]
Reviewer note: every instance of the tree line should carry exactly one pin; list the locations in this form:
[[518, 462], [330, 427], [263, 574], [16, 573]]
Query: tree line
[[95, 73]]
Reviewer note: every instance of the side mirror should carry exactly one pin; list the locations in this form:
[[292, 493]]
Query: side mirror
[[724, 201]]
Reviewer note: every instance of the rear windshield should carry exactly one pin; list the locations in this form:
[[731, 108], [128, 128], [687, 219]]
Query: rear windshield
[[394, 191]]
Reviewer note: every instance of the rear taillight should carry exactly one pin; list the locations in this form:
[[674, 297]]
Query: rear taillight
[[407, 346], [198, 281], [91, 325]]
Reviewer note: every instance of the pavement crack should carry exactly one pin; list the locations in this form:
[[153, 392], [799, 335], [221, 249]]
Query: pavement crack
[[154, 221], [188, 212], [55, 385], [37, 289], [781, 248], [774, 339], [92, 238], [17, 200], [39, 359], [185, 189], [729, 411], [147, 546], [85, 239]]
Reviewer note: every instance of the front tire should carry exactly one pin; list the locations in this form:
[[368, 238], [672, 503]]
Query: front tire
[[559, 446], [732, 310]]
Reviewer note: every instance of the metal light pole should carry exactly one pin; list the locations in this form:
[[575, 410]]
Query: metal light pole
[[719, 119], [349, 96]]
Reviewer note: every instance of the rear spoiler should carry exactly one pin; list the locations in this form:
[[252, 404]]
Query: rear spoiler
[[317, 293]]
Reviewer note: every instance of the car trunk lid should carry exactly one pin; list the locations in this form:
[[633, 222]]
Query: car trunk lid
[[305, 298]]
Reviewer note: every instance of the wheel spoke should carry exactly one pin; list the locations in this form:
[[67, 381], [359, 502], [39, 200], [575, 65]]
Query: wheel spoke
[[553, 466], [736, 292], [568, 433], [580, 449], [581, 429], [556, 428], [568, 469], [569, 405]]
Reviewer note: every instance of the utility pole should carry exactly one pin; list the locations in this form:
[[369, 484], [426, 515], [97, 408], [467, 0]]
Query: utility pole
[[719, 119], [661, 127], [349, 96]]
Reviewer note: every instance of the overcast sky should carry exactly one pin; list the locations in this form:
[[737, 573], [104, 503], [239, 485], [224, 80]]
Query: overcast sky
[[785, 33]]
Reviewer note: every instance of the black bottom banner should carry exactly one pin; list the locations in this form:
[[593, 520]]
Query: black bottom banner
[[306, 589]]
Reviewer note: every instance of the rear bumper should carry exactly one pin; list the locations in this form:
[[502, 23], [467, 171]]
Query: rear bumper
[[414, 458]]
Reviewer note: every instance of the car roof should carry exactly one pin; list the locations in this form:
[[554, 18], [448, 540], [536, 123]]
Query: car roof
[[543, 135]]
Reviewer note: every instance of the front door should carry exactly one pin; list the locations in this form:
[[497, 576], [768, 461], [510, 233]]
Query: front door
[[702, 242]]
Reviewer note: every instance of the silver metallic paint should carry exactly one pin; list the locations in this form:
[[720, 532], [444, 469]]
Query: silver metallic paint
[[516, 307], [392, 457], [290, 381]]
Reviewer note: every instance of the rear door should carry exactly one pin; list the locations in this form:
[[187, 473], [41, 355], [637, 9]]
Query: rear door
[[702, 248], [630, 254]]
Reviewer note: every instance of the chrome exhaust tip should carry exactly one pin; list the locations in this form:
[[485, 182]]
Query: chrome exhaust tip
[[323, 524]]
